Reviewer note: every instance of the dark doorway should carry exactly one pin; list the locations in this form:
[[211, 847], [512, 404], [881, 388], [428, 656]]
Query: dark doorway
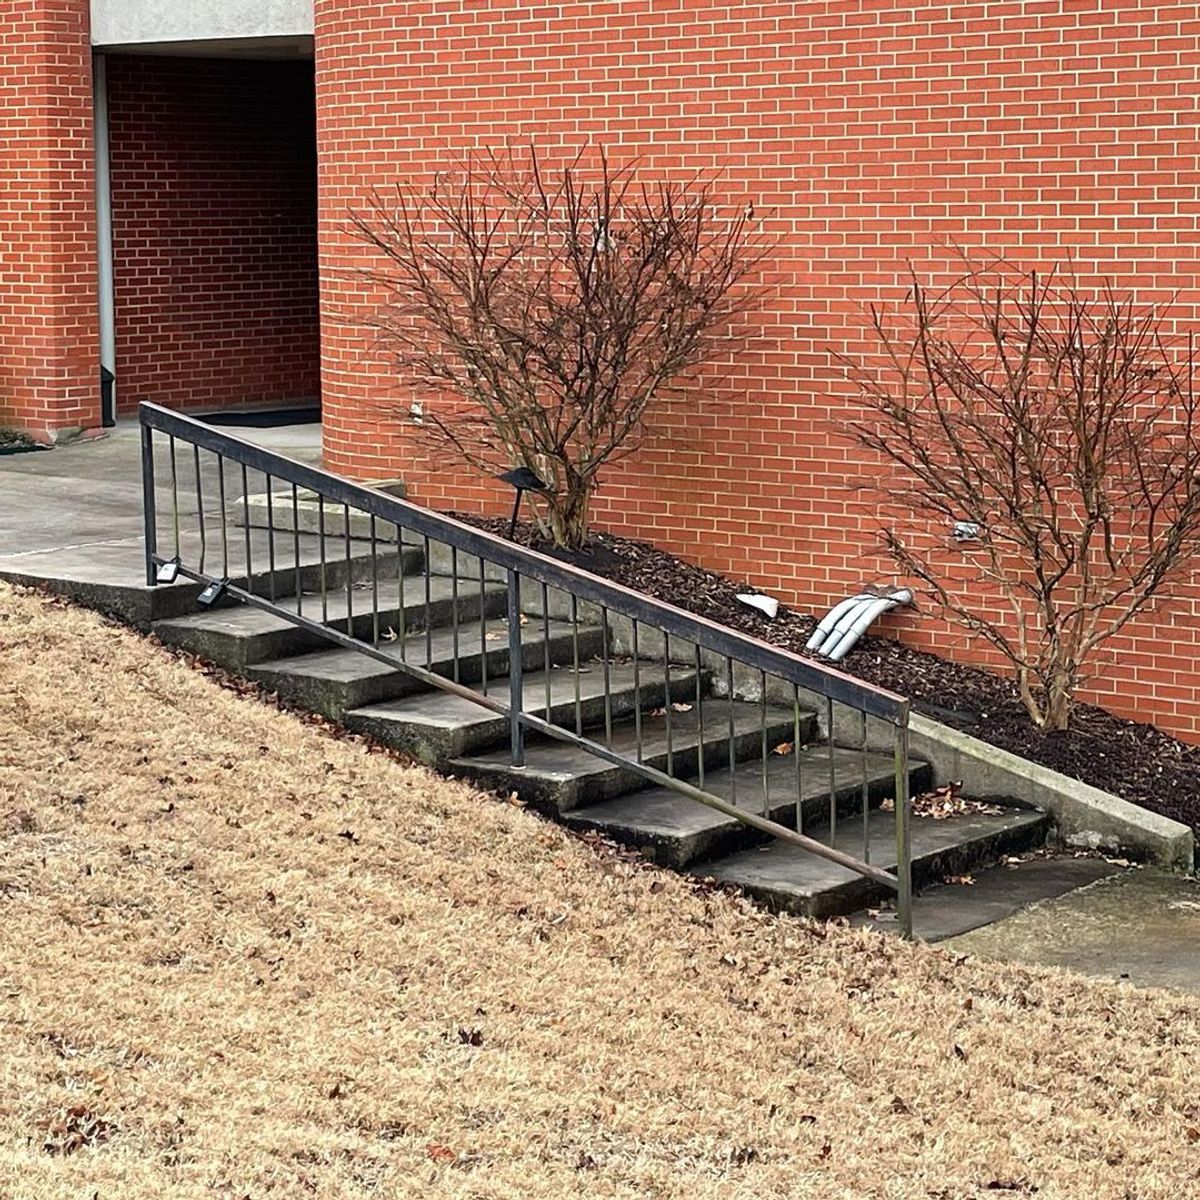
[[214, 232]]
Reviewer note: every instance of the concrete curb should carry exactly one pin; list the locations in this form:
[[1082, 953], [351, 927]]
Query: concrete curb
[[1086, 816]]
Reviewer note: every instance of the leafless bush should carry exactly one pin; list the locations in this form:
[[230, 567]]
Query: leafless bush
[[1063, 426], [556, 309]]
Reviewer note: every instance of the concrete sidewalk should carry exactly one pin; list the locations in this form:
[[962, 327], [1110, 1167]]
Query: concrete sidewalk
[[1141, 925], [73, 516]]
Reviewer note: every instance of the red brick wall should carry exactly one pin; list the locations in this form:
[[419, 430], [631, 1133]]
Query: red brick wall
[[49, 343], [214, 230], [878, 132]]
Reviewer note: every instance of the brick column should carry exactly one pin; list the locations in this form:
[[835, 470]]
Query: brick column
[[49, 340]]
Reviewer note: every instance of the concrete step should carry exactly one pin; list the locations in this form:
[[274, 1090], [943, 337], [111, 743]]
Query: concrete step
[[558, 777], [334, 564], [336, 680], [310, 516], [946, 910], [676, 832], [794, 880], [237, 637], [437, 726]]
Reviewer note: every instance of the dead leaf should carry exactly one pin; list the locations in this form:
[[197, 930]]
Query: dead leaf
[[960, 880], [784, 749], [678, 706], [439, 1153]]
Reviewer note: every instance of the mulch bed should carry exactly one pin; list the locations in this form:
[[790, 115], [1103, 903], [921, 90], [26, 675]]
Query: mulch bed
[[1135, 761]]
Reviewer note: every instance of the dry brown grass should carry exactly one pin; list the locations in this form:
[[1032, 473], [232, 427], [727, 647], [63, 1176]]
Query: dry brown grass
[[244, 958]]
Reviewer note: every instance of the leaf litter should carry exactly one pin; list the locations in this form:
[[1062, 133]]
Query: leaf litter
[[244, 1001]]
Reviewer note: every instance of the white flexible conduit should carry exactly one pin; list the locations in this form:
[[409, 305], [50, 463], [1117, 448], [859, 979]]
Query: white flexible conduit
[[839, 631]]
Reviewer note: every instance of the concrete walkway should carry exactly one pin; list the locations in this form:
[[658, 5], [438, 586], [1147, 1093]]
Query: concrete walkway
[[73, 515], [1141, 925]]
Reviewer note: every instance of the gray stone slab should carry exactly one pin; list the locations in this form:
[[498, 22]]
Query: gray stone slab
[[435, 726], [73, 517], [1141, 925], [1094, 817], [796, 880], [676, 831], [334, 680], [947, 910], [235, 637], [560, 777]]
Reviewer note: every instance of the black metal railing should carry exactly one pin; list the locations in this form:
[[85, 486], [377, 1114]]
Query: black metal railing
[[680, 700]]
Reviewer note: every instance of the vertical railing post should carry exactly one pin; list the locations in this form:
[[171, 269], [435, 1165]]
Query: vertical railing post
[[515, 666], [903, 847], [149, 506]]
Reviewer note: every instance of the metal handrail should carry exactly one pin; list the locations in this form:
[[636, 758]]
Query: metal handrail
[[518, 563]]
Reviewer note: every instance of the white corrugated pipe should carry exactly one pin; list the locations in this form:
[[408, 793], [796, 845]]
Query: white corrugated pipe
[[825, 628], [850, 619]]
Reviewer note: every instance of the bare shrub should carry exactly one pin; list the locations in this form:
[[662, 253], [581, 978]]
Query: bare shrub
[[556, 309], [1062, 425]]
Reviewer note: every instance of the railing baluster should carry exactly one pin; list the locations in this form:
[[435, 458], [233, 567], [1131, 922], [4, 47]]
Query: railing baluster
[[833, 800], [515, 682], [246, 528], [321, 543], [667, 699], [296, 550], [200, 510], [174, 494], [866, 792], [349, 571], [766, 786], [732, 747], [401, 616], [454, 613], [699, 717], [374, 583], [575, 661], [149, 506], [546, 646], [270, 539], [483, 652], [798, 751], [637, 693], [608, 721], [224, 522], [428, 606], [903, 850]]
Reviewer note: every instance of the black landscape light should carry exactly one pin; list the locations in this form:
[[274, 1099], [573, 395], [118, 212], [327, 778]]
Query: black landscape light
[[523, 480], [212, 593]]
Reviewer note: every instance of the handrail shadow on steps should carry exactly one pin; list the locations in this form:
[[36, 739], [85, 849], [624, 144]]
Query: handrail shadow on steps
[[772, 678]]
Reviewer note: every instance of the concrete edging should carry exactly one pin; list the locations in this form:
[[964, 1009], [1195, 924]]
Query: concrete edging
[[1085, 815]]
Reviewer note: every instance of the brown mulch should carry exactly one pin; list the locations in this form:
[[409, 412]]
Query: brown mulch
[[1138, 762]]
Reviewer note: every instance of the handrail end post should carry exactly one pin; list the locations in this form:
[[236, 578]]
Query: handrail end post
[[149, 506]]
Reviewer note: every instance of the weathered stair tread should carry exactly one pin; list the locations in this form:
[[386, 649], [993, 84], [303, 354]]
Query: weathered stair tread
[[945, 910], [337, 680], [438, 725], [248, 634], [560, 776], [794, 879], [680, 831]]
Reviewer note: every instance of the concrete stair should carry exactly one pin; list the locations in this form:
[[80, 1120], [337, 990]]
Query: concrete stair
[[332, 682], [676, 832], [238, 637], [791, 880], [439, 727], [667, 718]]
